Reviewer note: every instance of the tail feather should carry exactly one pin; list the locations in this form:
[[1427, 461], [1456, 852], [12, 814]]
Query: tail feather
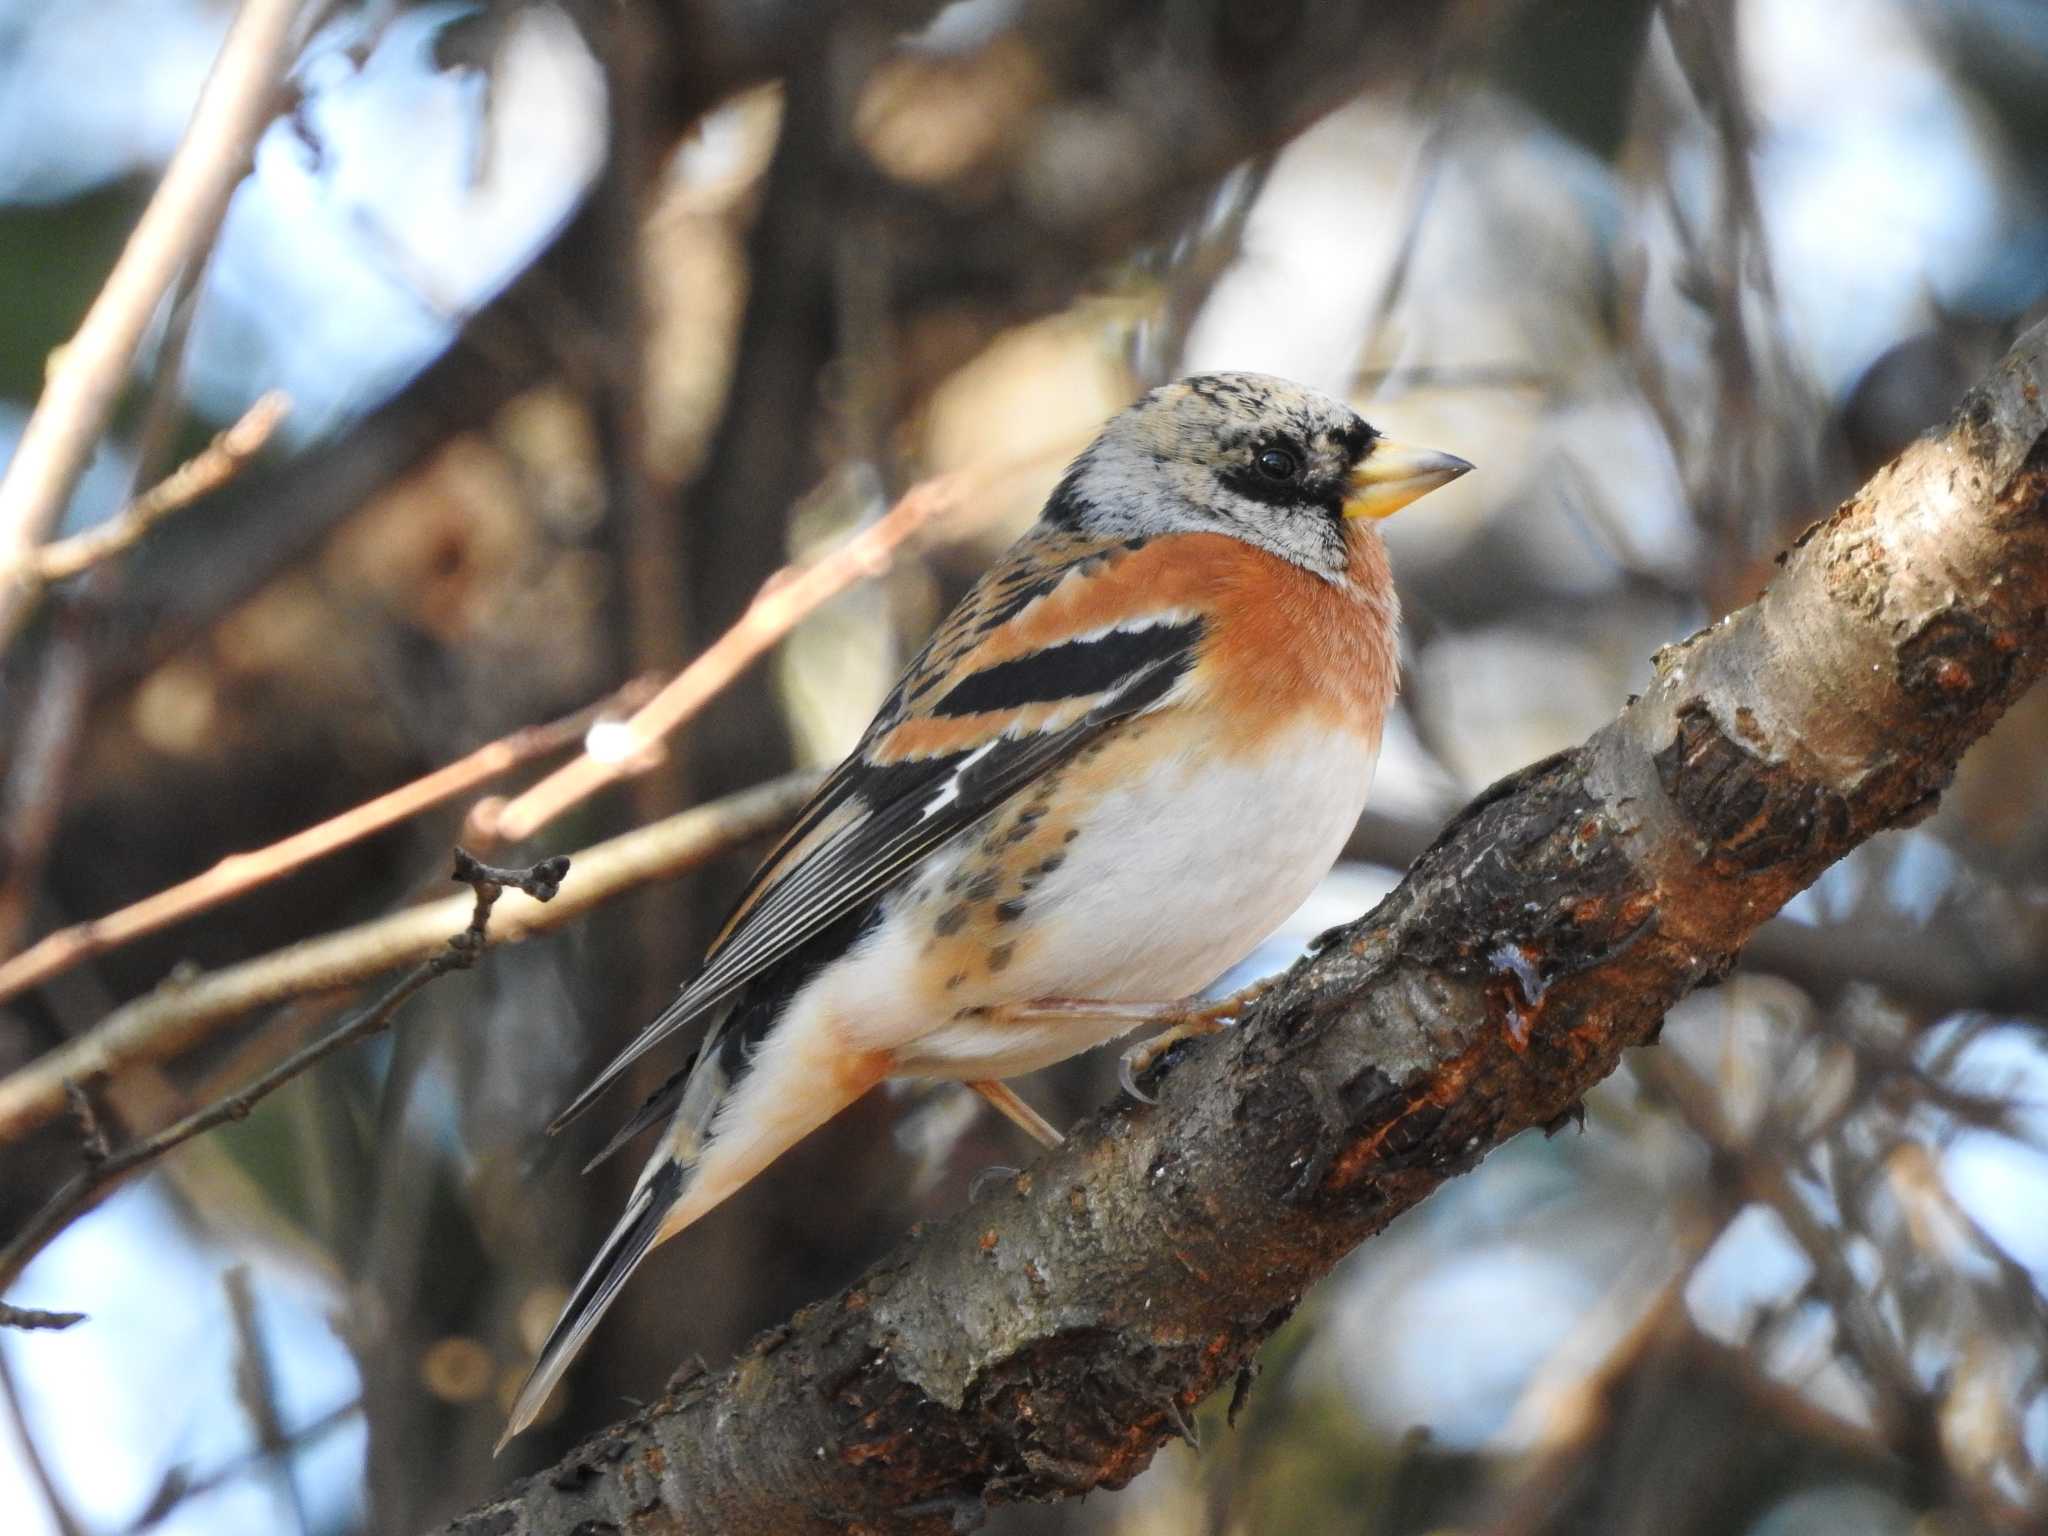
[[659, 1106], [638, 1230], [738, 1110]]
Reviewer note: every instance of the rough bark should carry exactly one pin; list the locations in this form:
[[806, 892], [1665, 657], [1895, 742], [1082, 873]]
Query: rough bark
[[1047, 1339]]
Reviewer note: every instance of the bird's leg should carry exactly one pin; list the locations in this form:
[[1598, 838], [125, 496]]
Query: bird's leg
[[1185, 1018], [1022, 1115]]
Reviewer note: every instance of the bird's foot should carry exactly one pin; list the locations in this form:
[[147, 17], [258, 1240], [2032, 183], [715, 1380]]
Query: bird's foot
[[1188, 1020]]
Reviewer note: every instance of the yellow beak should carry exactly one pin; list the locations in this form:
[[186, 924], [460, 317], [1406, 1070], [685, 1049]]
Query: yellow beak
[[1392, 474]]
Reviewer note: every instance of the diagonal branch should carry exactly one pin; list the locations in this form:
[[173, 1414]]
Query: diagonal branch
[[790, 596], [239, 873], [87, 376], [184, 1011], [1049, 1338], [214, 466]]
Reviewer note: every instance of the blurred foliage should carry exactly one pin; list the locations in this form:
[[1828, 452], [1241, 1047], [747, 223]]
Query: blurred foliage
[[53, 259]]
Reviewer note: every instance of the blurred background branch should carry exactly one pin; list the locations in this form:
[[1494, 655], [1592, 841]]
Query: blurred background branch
[[182, 1014], [86, 378]]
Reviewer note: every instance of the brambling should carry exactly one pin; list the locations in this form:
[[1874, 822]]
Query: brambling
[[1127, 755]]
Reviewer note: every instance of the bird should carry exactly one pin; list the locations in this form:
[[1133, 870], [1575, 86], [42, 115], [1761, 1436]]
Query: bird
[[1126, 756]]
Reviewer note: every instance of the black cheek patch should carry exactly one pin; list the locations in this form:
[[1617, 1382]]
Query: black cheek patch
[[1318, 497]]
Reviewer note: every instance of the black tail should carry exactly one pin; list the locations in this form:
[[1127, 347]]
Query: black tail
[[621, 1253], [660, 1105]]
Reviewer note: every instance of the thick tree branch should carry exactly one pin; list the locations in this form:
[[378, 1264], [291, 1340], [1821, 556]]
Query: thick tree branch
[[1047, 1339]]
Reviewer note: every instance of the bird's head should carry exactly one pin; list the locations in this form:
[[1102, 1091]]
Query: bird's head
[[1271, 462]]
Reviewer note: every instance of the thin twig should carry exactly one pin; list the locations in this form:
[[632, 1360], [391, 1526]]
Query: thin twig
[[185, 1012], [33, 798], [39, 780], [179, 1486], [92, 1136], [239, 873], [256, 1388], [458, 953], [1885, 1363], [88, 375], [206, 471], [785, 600], [27, 1318], [163, 408]]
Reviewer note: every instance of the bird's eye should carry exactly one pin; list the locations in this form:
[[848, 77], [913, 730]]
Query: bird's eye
[[1277, 464]]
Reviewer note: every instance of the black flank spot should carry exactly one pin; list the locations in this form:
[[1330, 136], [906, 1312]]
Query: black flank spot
[[999, 957], [951, 921], [1009, 911], [1027, 823], [984, 887], [1053, 861]]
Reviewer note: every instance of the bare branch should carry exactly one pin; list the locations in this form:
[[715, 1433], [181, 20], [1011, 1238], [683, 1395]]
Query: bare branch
[[32, 1317], [185, 1011], [240, 873], [103, 1170], [88, 375], [785, 601], [1046, 1340], [206, 471]]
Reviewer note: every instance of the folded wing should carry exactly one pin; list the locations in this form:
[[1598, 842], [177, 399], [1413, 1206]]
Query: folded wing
[[976, 719]]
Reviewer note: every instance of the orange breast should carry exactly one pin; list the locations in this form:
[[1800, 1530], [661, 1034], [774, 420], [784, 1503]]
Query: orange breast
[[1281, 640]]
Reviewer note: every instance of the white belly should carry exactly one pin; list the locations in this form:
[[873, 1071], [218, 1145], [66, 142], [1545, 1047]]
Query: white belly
[[1180, 876], [1174, 877]]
